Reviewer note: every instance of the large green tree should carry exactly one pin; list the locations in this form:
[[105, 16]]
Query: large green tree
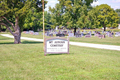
[[107, 17], [118, 11], [69, 12], [92, 19], [56, 15], [33, 20], [48, 22], [0, 28], [17, 10]]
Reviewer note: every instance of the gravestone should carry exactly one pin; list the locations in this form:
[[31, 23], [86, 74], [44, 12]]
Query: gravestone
[[70, 34], [65, 32], [77, 34], [60, 35], [117, 34], [31, 32], [47, 33], [36, 33], [101, 36], [81, 34], [87, 35], [27, 32]]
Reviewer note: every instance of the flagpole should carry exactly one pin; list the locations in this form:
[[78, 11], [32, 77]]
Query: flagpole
[[43, 28]]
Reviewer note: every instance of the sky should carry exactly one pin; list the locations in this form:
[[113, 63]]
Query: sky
[[51, 3], [115, 4]]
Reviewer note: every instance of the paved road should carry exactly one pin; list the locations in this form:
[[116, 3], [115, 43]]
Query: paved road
[[100, 46]]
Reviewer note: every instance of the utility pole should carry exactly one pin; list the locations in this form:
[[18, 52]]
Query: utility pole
[[43, 28]]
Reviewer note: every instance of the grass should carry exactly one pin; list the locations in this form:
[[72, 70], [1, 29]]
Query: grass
[[26, 61], [96, 40], [6, 40]]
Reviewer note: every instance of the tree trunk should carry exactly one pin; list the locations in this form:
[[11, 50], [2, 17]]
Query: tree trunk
[[16, 28], [17, 38], [17, 34], [74, 30], [104, 27], [0, 28]]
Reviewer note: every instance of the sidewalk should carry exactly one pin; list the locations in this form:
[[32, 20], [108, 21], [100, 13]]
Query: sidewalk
[[100, 46]]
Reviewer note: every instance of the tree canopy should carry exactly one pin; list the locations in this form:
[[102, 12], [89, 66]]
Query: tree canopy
[[34, 20], [17, 11], [79, 14], [118, 11], [107, 16], [70, 13]]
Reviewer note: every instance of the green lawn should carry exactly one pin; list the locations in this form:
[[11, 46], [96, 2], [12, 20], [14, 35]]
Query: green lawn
[[26, 61], [96, 40]]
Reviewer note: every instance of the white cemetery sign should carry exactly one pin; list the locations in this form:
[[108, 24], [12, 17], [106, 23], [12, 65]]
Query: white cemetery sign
[[56, 45]]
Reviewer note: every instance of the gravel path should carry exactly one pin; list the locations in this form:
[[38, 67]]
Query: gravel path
[[100, 46]]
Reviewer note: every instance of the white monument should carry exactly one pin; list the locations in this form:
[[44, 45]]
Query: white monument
[[118, 26]]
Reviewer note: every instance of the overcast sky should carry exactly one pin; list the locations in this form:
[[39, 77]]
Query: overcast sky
[[113, 3]]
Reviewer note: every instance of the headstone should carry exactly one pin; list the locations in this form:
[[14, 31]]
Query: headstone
[[110, 35], [60, 35], [47, 33], [31, 32], [82, 34], [55, 32], [27, 32], [51, 34], [24, 31], [87, 35], [57, 27], [65, 32], [77, 34], [36, 33], [101, 36], [70, 34], [117, 34]]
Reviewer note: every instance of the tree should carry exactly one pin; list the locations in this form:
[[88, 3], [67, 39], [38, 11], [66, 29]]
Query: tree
[[102, 16], [0, 28], [48, 22], [82, 21], [107, 16], [92, 19], [118, 11], [17, 9], [70, 12], [74, 12], [56, 15], [33, 20]]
